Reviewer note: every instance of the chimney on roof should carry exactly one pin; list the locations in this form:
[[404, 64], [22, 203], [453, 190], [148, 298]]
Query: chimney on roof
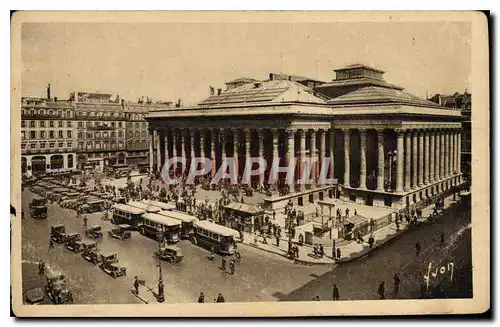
[[219, 91], [271, 76], [123, 103], [289, 78], [48, 91]]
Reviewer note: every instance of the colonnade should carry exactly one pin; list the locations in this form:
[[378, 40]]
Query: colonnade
[[420, 156]]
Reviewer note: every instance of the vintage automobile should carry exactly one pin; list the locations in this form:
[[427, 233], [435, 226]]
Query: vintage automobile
[[57, 289], [34, 296], [90, 252], [94, 232], [73, 242], [38, 208], [111, 266], [169, 253], [121, 232], [58, 233]]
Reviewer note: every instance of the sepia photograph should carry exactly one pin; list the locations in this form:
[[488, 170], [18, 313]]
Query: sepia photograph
[[249, 163]]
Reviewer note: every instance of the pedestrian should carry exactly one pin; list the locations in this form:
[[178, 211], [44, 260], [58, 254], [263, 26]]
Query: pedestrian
[[274, 214], [136, 285], [201, 298], [335, 293], [418, 248], [317, 298], [442, 237], [355, 212], [381, 290], [277, 241], [371, 241], [220, 298], [321, 251], [339, 254], [51, 243], [232, 267], [223, 264], [397, 281]]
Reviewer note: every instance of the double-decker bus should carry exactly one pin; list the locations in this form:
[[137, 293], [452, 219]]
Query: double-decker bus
[[161, 205], [186, 220], [146, 207], [125, 214], [209, 234], [154, 225]]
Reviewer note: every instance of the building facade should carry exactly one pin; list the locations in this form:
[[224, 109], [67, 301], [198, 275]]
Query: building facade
[[386, 147], [47, 136], [463, 103]]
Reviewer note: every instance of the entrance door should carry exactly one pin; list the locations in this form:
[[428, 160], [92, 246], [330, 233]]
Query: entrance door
[[38, 165]]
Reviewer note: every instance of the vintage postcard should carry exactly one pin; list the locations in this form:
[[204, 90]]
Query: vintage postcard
[[250, 163]]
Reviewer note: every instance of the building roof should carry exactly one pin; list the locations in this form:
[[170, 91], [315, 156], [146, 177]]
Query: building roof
[[267, 91], [184, 217], [358, 65], [127, 208], [242, 80], [294, 78], [358, 81], [377, 94], [143, 206], [164, 220], [161, 205], [243, 207]]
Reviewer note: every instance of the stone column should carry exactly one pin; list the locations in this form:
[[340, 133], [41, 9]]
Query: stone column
[[399, 167], [421, 158], [426, 157], [236, 152], [347, 145], [290, 154], [223, 139], [446, 153], [442, 154], [414, 152], [151, 151], [459, 154], [322, 146], [450, 153], [380, 163], [437, 175], [261, 154], [432, 154], [248, 144], [313, 157], [174, 148], [456, 154], [302, 155], [276, 138], [157, 147], [192, 133], [407, 166], [332, 154], [213, 143], [183, 146], [362, 159], [166, 144]]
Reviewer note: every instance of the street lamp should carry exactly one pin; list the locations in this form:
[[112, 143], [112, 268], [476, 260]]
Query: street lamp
[[161, 295], [392, 155]]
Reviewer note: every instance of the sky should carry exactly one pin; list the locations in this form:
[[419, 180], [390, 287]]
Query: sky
[[168, 61]]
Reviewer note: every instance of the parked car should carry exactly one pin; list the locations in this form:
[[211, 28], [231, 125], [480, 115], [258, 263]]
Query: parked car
[[58, 233], [111, 266], [57, 289], [94, 232], [169, 253], [121, 232]]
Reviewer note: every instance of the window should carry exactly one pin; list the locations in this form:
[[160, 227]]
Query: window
[[42, 123], [59, 113], [60, 123], [80, 124], [32, 112], [51, 134], [32, 124], [33, 145], [23, 123], [23, 146], [69, 134], [42, 134], [112, 134], [137, 125], [68, 123], [61, 144], [68, 114], [23, 135], [144, 125], [69, 144], [120, 134], [81, 145], [61, 136], [136, 134], [42, 145], [89, 124], [52, 145], [120, 124], [51, 112], [32, 135], [51, 123], [112, 124], [80, 135]]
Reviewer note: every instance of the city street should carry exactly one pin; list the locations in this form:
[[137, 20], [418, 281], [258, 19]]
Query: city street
[[261, 276]]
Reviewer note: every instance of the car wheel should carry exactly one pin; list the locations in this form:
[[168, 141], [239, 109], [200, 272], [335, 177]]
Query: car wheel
[[194, 240]]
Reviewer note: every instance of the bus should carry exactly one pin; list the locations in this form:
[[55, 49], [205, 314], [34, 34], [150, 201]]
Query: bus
[[153, 225], [209, 234], [146, 207], [125, 214], [161, 205], [38, 208], [185, 219]]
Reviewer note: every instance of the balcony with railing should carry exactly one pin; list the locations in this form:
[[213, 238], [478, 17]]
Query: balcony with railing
[[28, 115], [48, 150]]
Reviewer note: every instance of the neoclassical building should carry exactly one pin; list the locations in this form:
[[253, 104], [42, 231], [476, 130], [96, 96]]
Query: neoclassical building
[[386, 147]]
